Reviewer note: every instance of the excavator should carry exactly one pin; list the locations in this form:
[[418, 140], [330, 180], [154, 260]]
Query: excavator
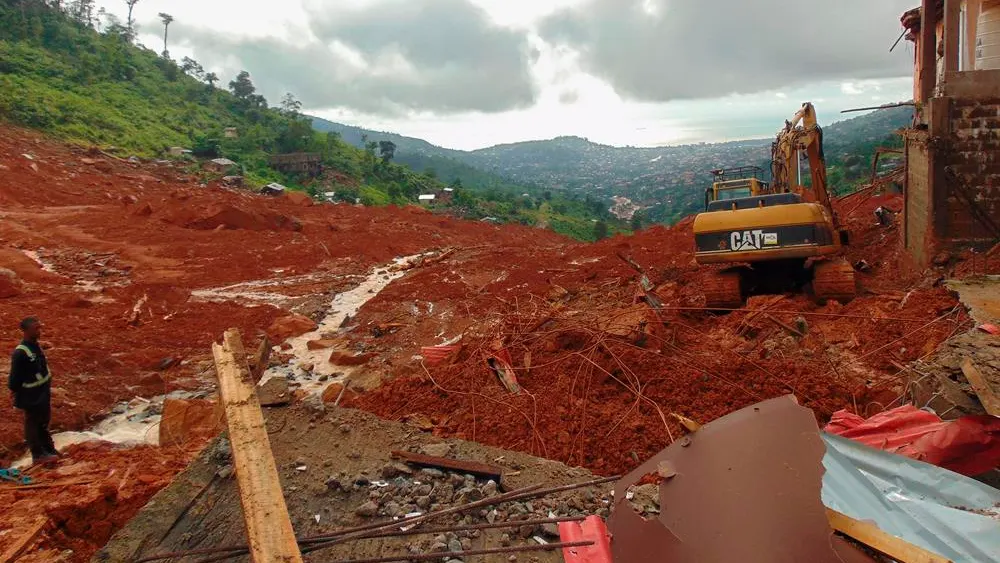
[[776, 236]]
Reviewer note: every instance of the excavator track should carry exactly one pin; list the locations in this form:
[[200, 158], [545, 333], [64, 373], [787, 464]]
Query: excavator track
[[724, 291], [834, 280]]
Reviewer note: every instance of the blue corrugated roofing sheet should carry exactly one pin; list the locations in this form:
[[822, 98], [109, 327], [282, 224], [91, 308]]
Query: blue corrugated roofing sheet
[[939, 510]]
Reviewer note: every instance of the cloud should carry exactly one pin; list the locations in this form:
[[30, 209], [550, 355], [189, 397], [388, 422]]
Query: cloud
[[386, 57], [661, 50]]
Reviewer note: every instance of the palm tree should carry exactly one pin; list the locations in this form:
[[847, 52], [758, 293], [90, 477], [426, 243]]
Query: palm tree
[[131, 4], [167, 19]]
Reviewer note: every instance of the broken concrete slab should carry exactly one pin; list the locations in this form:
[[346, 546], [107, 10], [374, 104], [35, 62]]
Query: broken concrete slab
[[274, 392]]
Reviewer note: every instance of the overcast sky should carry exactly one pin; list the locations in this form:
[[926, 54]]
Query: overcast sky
[[472, 73]]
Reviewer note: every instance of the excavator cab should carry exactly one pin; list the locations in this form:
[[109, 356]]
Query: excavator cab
[[732, 184]]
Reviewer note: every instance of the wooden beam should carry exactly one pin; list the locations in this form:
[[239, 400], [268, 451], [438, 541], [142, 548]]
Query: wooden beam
[[952, 34], [972, 10], [885, 543], [982, 387], [928, 49], [22, 543], [269, 530]]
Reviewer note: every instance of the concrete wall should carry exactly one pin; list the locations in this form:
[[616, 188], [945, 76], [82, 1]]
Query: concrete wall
[[917, 219]]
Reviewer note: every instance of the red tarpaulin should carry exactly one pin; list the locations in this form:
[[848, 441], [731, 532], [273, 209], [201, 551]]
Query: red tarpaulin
[[969, 445]]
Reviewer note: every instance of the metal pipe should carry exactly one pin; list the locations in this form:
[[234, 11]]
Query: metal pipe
[[328, 540], [886, 106]]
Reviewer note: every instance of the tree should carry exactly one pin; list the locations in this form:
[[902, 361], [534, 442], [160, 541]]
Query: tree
[[290, 106], [637, 220], [600, 230], [167, 19], [211, 78], [193, 68], [387, 150], [242, 87], [130, 21]]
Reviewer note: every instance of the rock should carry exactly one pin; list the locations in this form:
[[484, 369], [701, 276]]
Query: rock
[[332, 392], [274, 392], [431, 473], [10, 284], [454, 546], [551, 530], [489, 489], [225, 472], [801, 325], [290, 326], [437, 450], [438, 547], [185, 420], [466, 544], [423, 502], [341, 358], [321, 344], [335, 484], [103, 166], [505, 540], [393, 509], [367, 510], [395, 469], [345, 428]]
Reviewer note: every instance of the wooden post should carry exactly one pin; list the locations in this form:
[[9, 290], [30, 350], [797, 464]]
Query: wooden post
[[952, 34], [928, 49], [982, 387], [888, 544], [269, 530], [972, 11]]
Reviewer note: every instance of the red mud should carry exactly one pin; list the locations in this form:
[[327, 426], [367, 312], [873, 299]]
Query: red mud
[[597, 396], [128, 243]]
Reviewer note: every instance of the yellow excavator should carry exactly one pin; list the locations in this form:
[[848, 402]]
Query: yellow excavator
[[780, 235]]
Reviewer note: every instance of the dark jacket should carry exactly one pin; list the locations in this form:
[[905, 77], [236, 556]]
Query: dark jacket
[[29, 376]]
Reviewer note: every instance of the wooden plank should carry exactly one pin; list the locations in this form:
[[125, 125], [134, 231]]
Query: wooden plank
[[471, 467], [982, 387], [885, 543], [24, 541], [269, 530]]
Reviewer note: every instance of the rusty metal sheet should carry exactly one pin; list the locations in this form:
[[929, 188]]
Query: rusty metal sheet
[[474, 468], [743, 488]]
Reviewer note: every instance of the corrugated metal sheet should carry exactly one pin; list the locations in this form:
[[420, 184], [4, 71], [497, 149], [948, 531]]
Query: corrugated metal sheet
[[926, 505]]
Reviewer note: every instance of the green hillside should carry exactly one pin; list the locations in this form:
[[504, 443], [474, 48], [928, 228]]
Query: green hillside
[[59, 74]]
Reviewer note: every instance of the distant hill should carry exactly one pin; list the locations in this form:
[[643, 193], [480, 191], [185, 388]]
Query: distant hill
[[669, 181]]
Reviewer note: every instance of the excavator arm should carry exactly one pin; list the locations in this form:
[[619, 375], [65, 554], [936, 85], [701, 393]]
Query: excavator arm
[[802, 133]]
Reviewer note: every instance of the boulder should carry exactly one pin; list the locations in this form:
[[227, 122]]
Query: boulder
[[10, 284], [290, 326]]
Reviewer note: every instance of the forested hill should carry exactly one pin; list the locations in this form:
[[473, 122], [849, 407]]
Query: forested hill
[[78, 75]]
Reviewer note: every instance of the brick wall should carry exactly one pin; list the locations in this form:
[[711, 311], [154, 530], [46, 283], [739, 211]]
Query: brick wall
[[972, 154]]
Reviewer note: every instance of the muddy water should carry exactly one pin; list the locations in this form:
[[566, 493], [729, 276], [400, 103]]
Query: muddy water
[[343, 307]]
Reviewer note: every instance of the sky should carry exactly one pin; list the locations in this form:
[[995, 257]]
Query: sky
[[473, 73]]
